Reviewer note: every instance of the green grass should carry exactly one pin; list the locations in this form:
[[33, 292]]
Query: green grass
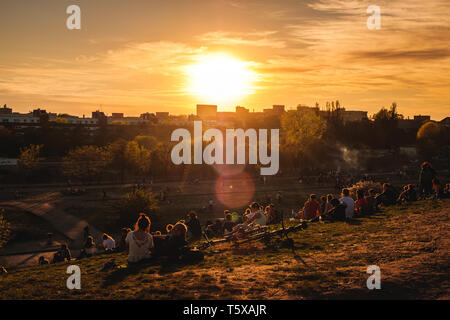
[[402, 240]]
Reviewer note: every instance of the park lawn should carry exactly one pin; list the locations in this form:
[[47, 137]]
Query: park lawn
[[409, 243]]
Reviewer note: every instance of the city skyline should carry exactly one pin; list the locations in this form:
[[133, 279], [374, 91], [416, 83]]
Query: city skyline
[[145, 56]]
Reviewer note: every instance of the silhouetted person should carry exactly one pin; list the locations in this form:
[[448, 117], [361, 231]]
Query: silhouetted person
[[193, 225], [427, 174]]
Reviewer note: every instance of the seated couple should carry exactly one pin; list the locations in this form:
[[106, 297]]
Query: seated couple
[[254, 215], [141, 245]]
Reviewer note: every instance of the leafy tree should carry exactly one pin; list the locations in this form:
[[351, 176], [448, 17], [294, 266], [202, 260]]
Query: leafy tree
[[138, 158], [60, 120], [86, 163], [430, 137], [118, 156], [148, 142], [29, 157], [8, 141], [386, 128], [301, 129]]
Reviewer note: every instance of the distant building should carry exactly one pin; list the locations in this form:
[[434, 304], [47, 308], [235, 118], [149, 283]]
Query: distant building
[[101, 117], [345, 115], [421, 118], [413, 124], [278, 109], [162, 115], [353, 115], [445, 122], [117, 115], [20, 120], [5, 110], [149, 116], [207, 112], [303, 108], [41, 114], [242, 111]]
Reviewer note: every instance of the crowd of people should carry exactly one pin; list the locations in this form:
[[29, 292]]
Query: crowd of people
[[140, 244]]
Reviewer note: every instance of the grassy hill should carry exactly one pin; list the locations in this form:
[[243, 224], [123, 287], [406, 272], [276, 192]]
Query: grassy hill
[[410, 243]]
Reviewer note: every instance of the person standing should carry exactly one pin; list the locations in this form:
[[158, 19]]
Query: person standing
[[193, 225], [427, 174]]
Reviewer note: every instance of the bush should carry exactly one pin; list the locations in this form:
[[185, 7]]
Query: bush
[[5, 230], [133, 203]]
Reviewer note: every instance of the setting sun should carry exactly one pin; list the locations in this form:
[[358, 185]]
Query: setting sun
[[220, 79]]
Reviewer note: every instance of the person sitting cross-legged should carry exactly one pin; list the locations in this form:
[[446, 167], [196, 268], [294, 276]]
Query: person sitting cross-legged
[[337, 213], [62, 254], [361, 205], [140, 242], [311, 209], [108, 243]]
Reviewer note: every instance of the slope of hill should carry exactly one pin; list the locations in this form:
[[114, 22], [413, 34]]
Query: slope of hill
[[410, 244]]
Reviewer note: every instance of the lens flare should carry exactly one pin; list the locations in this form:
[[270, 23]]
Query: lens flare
[[236, 190]]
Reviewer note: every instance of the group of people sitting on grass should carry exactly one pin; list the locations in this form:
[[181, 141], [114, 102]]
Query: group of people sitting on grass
[[255, 214], [330, 208], [140, 244], [333, 209]]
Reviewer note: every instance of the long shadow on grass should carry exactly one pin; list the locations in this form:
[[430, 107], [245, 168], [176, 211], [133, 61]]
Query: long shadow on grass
[[353, 222], [165, 267]]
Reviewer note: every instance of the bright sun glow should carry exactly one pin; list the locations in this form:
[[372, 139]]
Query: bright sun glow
[[220, 79]]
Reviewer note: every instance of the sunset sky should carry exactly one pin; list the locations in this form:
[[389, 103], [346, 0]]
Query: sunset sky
[[136, 56]]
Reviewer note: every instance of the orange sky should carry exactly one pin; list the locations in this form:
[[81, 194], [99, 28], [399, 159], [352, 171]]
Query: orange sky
[[130, 56]]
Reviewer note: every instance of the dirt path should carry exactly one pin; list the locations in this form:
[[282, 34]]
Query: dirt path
[[44, 206]]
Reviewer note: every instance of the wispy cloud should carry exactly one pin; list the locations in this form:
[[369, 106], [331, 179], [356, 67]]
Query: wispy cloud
[[304, 51], [257, 39]]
